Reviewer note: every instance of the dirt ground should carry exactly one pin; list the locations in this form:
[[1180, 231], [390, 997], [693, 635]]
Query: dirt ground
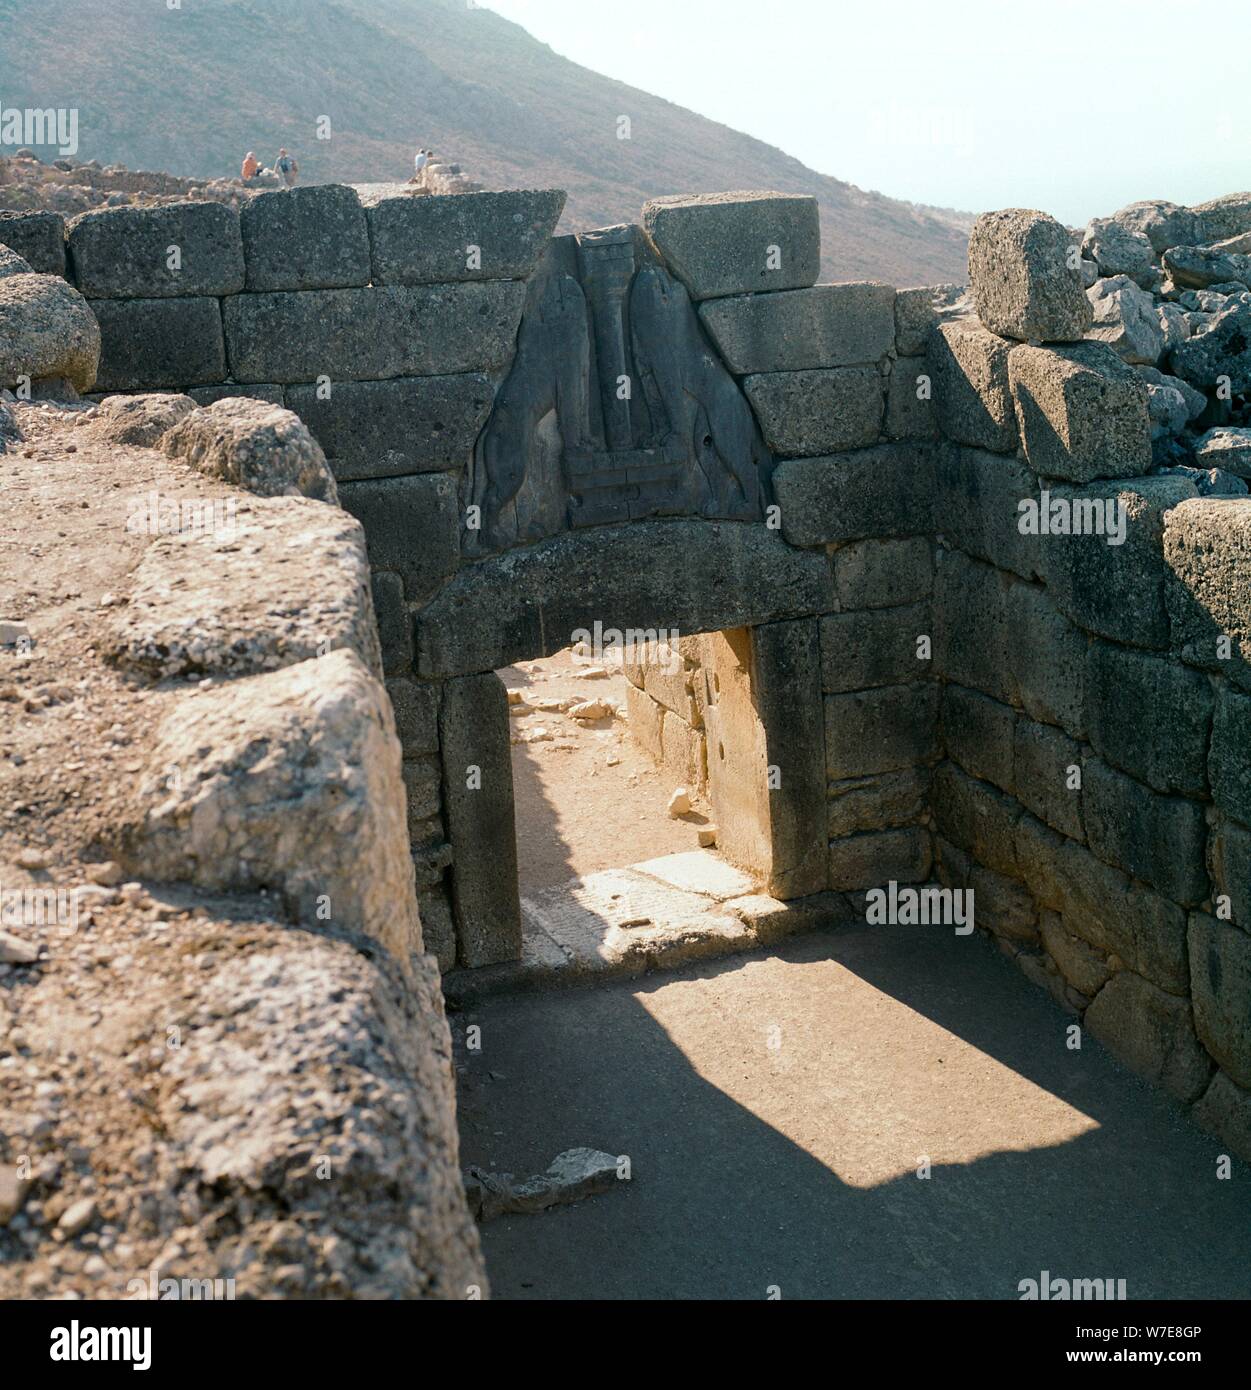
[[587, 796]]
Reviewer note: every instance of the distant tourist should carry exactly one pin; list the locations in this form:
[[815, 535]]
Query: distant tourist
[[419, 165], [251, 167], [286, 168]]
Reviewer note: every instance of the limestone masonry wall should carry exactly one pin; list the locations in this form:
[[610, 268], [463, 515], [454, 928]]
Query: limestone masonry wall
[[990, 563]]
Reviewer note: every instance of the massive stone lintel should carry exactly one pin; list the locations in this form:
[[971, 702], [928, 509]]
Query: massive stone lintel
[[694, 575]]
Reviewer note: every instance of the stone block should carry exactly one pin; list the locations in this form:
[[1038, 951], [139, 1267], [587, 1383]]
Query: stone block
[[873, 647], [395, 623], [1119, 591], [421, 786], [797, 330], [909, 409], [227, 390], [882, 730], [373, 334], [977, 508], [1085, 968], [1229, 761], [1047, 659], [147, 344], [1224, 1109], [1152, 1033], [1048, 776], [882, 857], [1231, 868], [973, 640], [438, 929], [1022, 281], [412, 526], [1207, 552], [976, 818], [422, 241], [915, 316], [38, 237], [737, 243], [1220, 218], [884, 573], [1081, 411], [881, 802], [416, 706], [683, 754], [1040, 855], [178, 250], [646, 717], [1158, 839], [972, 395], [1220, 981], [817, 412], [1149, 716], [311, 238], [697, 576], [382, 429], [478, 806], [886, 491], [979, 733], [1003, 906]]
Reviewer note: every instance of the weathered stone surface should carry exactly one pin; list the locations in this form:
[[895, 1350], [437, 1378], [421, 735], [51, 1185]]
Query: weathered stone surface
[[1047, 659], [12, 264], [1223, 350], [881, 730], [570, 1177], [372, 334], [977, 508], [125, 252], [1219, 218], [737, 243], [973, 643], [1164, 224], [284, 580], [1220, 978], [1198, 267], [886, 491], [826, 326], [1118, 591], [1081, 965], [1081, 411], [1227, 448], [140, 420], [412, 526], [1229, 762], [1047, 765], [1152, 1033], [150, 344], [312, 238], [380, 429], [873, 647], [1231, 868], [882, 802], [318, 736], [395, 623], [697, 576], [817, 412], [972, 395], [977, 818], [1149, 716], [1120, 250], [257, 446], [1207, 549], [1158, 839], [1225, 1110], [916, 313], [478, 805], [38, 237], [257, 391], [979, 733], [909, 407], [1022, 284], [1125, 318], [873, 860], [884, 573], [46, 330], [416, 706], [421, 241]]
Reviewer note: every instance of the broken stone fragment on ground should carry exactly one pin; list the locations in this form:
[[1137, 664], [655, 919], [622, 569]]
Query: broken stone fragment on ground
[[571, 1176]]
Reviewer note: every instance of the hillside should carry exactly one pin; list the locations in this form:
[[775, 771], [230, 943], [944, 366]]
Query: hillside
[[189, 90]]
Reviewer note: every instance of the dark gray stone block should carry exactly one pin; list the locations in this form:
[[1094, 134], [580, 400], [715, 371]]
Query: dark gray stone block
[[152, 344], [1021, 276], [38, 237], [312, 238], [697, 576], [1152, 1033], [874, 731], [1229, 763], [884, 574], [886, 491], [422, 241], [412, 526], [882, 802], [1047, 659], [416, 706], [979, 733], [972, 395], [372, 334], [737, 243], [977, 819], [1231, 868], [973, 638], [257, 391], [381, 429], [817, 412], [395, 626], [1048, 776], [873, 647], [909, 408], [126, 253], [478, 805], [826, 326], [977, 508]]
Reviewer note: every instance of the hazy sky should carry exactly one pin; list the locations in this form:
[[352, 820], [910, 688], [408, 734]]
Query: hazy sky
[[1073, 106]]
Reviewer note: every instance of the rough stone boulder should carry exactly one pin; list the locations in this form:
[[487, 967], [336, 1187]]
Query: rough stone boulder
[[737, 243], [1228, 448], [1164, 224], [12, 264], [1197, 268], [1022, 281], [46, 330], [1224, 350], [288, 782], [1224, 217], [272, 582], [1125, 318], [141, 420], [255, 445], [1119, 250]]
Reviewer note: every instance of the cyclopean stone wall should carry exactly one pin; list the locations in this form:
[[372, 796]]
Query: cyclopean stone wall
[[671, 426]]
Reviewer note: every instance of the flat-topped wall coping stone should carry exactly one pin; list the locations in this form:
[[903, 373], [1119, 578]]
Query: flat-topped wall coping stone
[[175, 251], [312, 238]]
